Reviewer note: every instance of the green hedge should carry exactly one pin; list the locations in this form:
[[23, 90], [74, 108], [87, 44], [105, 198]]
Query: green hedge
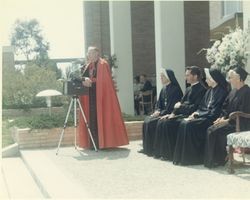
[[6, 134], [45, 121]]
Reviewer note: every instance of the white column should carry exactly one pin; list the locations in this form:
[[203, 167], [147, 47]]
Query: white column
[[170, 39], [246, 24], [121, 46]]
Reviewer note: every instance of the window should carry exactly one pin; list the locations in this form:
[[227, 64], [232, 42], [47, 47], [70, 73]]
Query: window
[[231, 7]]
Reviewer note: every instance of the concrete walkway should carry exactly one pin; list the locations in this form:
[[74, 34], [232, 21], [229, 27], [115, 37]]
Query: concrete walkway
[[122, 173]]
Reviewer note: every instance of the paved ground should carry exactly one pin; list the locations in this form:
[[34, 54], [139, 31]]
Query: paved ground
[[16, 182], [123, 173]]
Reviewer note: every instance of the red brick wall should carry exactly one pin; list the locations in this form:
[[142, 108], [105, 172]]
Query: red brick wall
[[143, 37], [197, 31], [27, 138]]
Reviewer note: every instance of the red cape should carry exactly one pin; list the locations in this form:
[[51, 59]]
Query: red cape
[[111, 128]]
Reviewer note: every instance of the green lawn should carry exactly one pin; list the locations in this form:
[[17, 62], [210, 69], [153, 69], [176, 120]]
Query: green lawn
[[6, 134]]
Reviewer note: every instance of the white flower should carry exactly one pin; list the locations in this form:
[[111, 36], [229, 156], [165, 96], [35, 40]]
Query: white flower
[[246, 54], [230, 51], [233, 62], [217, 43], [232, 54]]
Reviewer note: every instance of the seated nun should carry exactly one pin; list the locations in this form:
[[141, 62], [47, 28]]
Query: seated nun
[[170, 94]]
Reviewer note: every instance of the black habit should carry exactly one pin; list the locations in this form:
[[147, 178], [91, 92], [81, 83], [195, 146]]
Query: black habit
[[166, 130], [216, 138], [169, 96], [91, 72], [189, 148]]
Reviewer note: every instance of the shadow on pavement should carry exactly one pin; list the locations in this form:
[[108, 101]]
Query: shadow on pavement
[[110, 154]]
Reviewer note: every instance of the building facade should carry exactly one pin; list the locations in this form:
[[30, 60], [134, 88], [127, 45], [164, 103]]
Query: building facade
[[148, 35]]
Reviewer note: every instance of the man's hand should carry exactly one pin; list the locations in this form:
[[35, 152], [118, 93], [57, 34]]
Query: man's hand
[[164, 117], [172, 115], [155, 114], [87, 82], [221, 121], [177, 105], [217, 120], [192, 116]]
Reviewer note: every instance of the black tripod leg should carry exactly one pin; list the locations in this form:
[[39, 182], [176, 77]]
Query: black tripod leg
[[86, 123], [64, 126]]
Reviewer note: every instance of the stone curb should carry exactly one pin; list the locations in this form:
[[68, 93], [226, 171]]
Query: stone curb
[[11, 151]]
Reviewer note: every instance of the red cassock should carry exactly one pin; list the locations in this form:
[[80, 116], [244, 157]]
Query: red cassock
[[111, 129]]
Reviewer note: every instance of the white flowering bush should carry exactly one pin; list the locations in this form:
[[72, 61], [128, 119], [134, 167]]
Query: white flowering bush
[[230, 51]]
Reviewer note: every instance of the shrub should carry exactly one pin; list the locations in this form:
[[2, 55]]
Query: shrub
[[6, 135], [20, 87], [43, 121]]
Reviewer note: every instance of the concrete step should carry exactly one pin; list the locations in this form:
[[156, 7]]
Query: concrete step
[[17, 181], [50, 179]]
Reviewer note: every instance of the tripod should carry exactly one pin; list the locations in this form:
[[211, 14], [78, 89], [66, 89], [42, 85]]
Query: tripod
[[75, 99]]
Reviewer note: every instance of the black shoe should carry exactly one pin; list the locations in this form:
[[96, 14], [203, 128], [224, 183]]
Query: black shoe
[[150, 154], [164, 158], [157, 157], [141, 151]]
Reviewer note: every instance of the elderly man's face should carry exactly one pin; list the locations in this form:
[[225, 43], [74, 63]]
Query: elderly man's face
[[233, 78], [92, 55]]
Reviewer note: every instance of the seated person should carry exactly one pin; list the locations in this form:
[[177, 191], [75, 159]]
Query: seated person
[[170, 94], [146, 85], [237, 100], [137, 87], [167, 126], [189, 147]]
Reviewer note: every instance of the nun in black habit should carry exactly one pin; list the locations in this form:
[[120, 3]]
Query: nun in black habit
[[167, 126], [170, 94], [237, 100], [189, 148]]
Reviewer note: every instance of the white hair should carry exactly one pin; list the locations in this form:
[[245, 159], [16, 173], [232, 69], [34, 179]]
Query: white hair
[[95, 49]]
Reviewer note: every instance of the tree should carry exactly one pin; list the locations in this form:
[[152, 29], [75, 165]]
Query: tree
[[20, 87], [27, 40]]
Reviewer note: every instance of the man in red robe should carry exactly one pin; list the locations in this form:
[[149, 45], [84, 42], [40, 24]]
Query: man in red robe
[[101, 106]]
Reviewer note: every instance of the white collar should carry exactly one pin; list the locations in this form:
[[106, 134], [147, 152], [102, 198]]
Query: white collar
[[195, 83]]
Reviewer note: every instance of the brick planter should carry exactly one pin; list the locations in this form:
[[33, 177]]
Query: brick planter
[[27, 138]]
